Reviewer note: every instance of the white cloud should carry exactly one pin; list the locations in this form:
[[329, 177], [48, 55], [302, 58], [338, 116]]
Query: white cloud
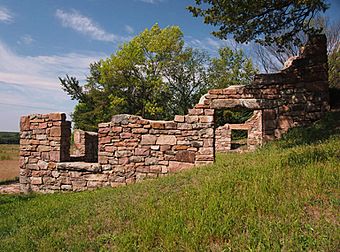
[[16, 100], [42, 71], [214, 43], [152, 1], [29, 84], [86, 26], [207, 44], [129, 29], [5, 15], [26, 39]]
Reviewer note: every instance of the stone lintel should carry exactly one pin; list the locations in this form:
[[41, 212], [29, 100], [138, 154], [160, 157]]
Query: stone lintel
[[239, 126], [247, 103], [79, 166]]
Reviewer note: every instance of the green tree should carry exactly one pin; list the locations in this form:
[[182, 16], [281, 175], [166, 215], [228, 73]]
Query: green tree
[[135, 71], [93, 104], [187, 81], [264, 21], [153, 75], [232, 67]]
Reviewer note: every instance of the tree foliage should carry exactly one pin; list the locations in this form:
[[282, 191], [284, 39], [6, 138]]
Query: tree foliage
[[265, 21], [9, 138], [93, 104], [134, 73], [186, 79], [240, 69], [155, 76]]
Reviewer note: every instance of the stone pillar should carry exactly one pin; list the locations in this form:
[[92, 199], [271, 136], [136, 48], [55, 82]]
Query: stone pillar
[[44, 140], [223, 138], [255, 132]]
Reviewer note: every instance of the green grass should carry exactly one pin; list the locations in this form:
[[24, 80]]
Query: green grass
[[283, 197], [9, 152]]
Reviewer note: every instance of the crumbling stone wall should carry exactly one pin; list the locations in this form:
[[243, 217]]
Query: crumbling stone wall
[[136, 148], [296, 96], [131, 148]]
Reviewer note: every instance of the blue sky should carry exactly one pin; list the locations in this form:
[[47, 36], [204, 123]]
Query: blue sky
[[43, 39]]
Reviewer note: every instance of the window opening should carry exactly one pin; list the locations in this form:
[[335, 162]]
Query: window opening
[[239, 139]]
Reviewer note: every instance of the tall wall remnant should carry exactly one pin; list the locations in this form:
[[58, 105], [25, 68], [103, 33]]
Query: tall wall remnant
[[131, 148], [44, 141]]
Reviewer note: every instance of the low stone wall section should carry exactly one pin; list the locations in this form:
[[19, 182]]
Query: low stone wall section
[[134, 148]]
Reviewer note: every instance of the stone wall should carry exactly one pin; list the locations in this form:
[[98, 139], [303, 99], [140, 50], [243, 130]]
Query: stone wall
[[131, 148], [44, 141], [296, 96], [135, 148]]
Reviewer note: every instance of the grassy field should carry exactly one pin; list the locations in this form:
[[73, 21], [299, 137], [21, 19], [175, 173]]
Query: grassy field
[[9, 152], [283, 197], [9, 162]]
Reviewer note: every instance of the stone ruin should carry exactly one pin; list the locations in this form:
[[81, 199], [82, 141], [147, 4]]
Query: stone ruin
[[129, 148]]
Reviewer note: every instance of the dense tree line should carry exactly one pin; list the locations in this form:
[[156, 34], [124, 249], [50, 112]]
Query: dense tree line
[[9, 138]]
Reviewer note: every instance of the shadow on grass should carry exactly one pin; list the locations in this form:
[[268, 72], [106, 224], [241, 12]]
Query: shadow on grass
[[308, 156], [318, 132], [13, 198]]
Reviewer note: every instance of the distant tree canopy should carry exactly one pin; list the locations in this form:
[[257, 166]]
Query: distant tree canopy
[[240, 69], [155, 76], [265, 21], [9, 138]]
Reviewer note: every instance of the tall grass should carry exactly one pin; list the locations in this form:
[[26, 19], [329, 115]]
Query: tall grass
[[284, 196]]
